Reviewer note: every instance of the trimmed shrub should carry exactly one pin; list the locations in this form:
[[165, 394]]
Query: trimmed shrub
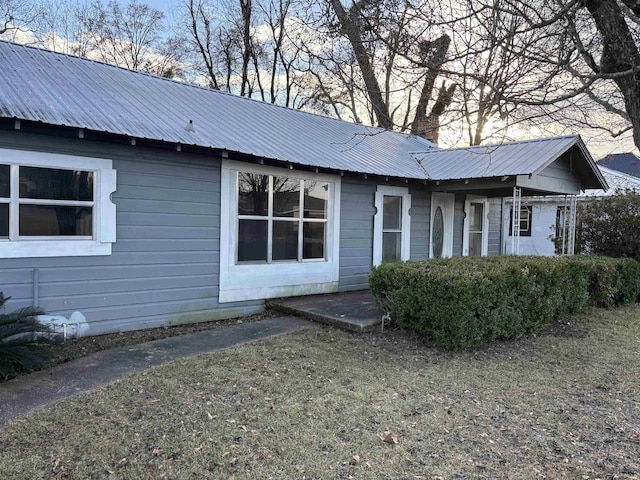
[[609, 225], [462, 302], [22, 340]]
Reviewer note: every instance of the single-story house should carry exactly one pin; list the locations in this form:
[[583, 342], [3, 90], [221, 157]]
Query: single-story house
[[545, 218], [139, 201], [623, 162]]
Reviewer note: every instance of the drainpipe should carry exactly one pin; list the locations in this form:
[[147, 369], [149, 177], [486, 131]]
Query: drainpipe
[[36, 293]]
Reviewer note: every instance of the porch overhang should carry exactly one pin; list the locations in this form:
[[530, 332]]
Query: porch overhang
[[555, 166]]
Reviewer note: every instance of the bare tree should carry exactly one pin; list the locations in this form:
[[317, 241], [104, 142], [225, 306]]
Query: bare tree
[[245, 47], [16, 15], [587, 59], [377, 61], [131, 36]]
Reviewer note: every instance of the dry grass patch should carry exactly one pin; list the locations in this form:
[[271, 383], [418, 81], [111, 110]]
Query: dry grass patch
[[318, 404]]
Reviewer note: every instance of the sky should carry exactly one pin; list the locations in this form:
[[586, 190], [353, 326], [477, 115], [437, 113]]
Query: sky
[[600, 144]]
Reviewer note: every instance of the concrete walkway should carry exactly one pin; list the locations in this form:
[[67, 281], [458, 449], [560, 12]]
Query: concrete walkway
[[22, 395]]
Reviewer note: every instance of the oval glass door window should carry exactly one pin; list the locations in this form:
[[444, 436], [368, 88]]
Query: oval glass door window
[[438, 233]]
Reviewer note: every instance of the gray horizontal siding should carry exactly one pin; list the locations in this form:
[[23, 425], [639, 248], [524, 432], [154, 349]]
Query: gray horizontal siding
[[495, 226], [356, 233], [420, 223], [356, 230], [165, 264], [458, 223]]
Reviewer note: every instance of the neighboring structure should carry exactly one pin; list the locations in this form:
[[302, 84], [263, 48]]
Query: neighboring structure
[[139, 201], [623, 162], [544, 219]]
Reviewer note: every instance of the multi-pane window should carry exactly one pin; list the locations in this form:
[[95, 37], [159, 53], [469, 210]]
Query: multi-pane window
[[392, 228], [476, 228], [526, 216], [280, 218], [37, 202]]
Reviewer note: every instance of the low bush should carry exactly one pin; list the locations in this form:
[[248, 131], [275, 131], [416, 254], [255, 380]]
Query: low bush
[[22, 341], [609, 225], [462, 302]]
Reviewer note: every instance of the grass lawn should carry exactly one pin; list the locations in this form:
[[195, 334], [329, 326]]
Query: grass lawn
[[316, 405]]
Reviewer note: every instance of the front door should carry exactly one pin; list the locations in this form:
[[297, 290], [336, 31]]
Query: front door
[[442, 208], [475, 240]]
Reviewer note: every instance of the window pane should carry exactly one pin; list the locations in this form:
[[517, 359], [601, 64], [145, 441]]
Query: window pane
[[475, 244], [316, 195], [438, 233], [253, 194], [4, 181], [252, 240], [391, 246], [54, 220], [392, 213], [4, 220], [313, 240], [475, 217], [285, 241], [55, 184], [286, 197]]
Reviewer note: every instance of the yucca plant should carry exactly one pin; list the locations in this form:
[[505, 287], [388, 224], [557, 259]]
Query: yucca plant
[[23, 340]]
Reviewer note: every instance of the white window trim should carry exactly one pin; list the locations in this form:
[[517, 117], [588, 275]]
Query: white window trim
[[405, 249], [485, 224], [253, 281], [104, 211], [446, 201]]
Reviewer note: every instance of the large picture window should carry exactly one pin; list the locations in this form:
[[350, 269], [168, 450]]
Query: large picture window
[[279, 232], [50, 204], [280, 218]]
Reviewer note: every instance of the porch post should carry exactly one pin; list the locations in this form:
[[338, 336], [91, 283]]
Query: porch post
[[515, 221], [565, 212], [572, 224]]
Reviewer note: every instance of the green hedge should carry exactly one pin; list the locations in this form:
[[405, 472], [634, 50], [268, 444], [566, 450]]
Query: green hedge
[[462, 302]]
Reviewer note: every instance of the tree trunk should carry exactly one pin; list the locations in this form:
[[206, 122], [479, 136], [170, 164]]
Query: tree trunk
[[619, 54], [351, 27]]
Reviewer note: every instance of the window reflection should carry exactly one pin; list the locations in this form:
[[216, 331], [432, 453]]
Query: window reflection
[[4, 181], [253, 194], [392, 213], [54, 220], [286, 197], [55, 184], [316, 195], [252, 240]]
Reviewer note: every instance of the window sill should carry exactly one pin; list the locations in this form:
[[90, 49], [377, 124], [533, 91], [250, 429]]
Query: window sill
[[53, 248]]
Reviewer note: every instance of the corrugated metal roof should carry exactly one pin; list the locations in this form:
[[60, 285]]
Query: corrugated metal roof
[[513, 158], [58, 89], [623, 162], [64, 90], [616, 180]]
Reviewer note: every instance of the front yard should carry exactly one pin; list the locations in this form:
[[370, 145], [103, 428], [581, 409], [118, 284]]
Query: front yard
[[317, 405]]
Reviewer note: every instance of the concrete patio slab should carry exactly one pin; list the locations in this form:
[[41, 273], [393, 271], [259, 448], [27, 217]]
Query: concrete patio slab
[[354, 311]]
